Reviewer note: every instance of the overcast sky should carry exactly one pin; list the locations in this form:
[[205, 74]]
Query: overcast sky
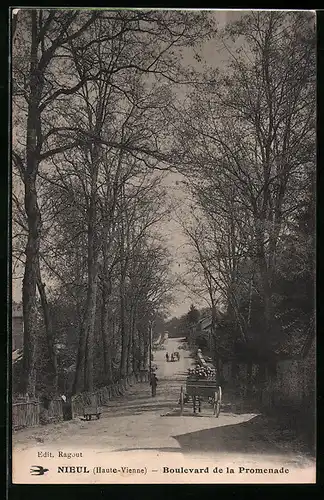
[[217, 57]]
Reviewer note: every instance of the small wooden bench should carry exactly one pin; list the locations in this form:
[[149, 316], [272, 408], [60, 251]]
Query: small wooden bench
[[88, 413]]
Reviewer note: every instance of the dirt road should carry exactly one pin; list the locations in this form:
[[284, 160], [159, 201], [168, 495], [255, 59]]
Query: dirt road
[[138, 423]]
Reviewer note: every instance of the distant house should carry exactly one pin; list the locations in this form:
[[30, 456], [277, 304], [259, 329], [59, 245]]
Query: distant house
[[17, 327], [203, 333], [206, 325]]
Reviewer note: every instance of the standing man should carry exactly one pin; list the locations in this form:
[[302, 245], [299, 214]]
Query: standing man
[[153, 384], [167, 356]]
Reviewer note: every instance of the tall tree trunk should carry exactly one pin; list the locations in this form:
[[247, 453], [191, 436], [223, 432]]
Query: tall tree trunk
[[90, 326], [92, 285], [135, 347], [49, 330], [105, 329], [250, 301], [266, 282], [79, 370], [249, 377], [129, 353], [131, 342], [122, 292], [141, 347], [123, 329], [84, 380], [267, 300], [29, 296], [29, 292], [214, 340], [146, 346]]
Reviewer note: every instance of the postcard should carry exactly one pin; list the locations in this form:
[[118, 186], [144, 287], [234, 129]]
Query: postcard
[[163, 246]]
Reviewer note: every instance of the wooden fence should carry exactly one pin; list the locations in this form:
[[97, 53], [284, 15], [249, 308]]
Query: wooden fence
[[103, 395], [30, 413], [25, 414]]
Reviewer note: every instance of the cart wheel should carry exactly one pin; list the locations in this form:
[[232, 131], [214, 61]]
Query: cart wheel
[[217, 402], [181, 400]]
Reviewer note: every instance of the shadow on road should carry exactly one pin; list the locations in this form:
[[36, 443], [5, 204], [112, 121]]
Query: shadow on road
[[255, 436], [137, 409], [176, 412], [239, 408], [246, 437], [130, 398], [251, 437]]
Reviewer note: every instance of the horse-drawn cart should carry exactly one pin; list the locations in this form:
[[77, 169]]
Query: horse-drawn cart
[[202, 385]]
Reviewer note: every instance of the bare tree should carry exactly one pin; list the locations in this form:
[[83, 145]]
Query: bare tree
[[48, 33], [56, 55], [249, 138]]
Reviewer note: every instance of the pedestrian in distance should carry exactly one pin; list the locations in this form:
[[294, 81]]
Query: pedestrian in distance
[[153, 384], [167, 356]]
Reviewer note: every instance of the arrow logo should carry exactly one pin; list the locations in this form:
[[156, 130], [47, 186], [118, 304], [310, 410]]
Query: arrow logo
[[38, 470]]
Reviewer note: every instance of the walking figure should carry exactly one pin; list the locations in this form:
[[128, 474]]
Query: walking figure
[[172, 357], [153, 384], [167, 356]]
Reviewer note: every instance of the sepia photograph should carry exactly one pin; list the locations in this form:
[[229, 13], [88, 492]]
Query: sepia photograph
[[163, 200]]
